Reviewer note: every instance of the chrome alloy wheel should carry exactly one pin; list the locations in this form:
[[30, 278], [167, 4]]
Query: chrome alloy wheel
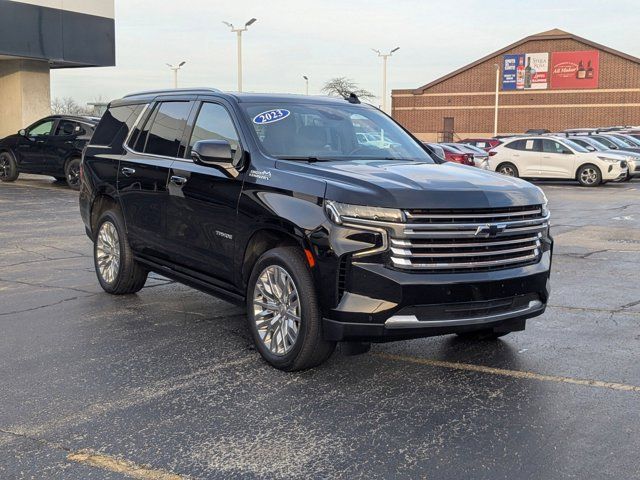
[[108, 252], [589, 176], [276, 310], [508, 171]]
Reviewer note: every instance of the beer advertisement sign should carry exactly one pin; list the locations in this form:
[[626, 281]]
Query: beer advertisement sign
[[526, 71], [574, 70]]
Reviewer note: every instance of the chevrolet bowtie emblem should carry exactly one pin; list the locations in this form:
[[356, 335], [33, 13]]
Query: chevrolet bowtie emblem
[[489, 230]]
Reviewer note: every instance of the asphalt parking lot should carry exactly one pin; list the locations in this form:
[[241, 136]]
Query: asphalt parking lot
[[166, 384]]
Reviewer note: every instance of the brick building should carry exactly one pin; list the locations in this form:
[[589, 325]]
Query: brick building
[[553, 80]]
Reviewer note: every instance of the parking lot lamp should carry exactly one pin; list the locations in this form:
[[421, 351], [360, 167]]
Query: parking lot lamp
[[384, 56], [175, 72], [306, 81], [495, 112], [239, 34]]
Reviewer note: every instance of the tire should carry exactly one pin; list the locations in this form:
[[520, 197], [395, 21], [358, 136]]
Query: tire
[[8, 167], [72, 173], [110, 249], [508, 169], [485, 335], [589, 175], [286, 268]]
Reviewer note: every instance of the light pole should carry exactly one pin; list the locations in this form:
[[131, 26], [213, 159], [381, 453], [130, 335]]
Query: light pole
[[239, 33], [175, 72], [495, 112], [384, 56], [306, 81]]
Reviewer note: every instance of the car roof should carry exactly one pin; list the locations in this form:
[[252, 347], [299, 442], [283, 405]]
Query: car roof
[[79, 118], [244, 97]]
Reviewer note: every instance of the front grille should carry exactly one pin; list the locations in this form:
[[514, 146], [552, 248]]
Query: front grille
[[469, 240]]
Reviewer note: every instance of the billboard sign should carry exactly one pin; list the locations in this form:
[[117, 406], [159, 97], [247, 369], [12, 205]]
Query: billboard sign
[[512, 71], [526, 71], [536, 71], [573, 70]]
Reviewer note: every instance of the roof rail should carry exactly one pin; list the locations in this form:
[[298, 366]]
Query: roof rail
[[176, 90]]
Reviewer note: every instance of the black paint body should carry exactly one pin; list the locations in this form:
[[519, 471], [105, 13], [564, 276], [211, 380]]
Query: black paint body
[[49, 154], [208, 232]]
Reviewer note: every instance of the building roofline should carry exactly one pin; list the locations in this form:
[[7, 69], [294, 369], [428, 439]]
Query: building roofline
[[554, 34]]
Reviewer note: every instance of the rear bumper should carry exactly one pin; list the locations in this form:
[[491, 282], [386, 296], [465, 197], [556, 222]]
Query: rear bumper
[[384, 305]]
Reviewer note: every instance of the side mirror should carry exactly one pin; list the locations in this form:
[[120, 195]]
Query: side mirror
[[213, 152], [590, 148], [567, 152], [22, 132]]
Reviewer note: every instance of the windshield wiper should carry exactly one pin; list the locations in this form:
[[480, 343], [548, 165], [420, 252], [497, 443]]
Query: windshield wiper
[[309, 159]]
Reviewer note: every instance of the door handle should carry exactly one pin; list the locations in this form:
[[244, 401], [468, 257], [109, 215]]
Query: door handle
[[126, 171], [179, 181]]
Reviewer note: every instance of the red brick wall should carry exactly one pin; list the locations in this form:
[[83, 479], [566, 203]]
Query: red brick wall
[[520, 112]]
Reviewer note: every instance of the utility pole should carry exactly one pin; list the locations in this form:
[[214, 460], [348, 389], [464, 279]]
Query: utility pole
[[306, 81], [239, 31], [384, 56]]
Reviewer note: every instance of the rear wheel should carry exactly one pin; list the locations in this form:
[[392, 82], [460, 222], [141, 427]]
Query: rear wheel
[[117, 271], [283, 313], [8, 168], [508, 169], [72, 173], [589, 176]]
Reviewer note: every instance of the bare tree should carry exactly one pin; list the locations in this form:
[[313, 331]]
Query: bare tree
[[67, 106], [343, 87]]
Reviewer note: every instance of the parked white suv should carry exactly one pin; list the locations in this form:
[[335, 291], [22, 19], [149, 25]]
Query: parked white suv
[[555, 157]]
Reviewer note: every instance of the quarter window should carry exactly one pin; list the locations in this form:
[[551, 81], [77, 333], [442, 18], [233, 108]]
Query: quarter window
[[214, 123], [164, 137]]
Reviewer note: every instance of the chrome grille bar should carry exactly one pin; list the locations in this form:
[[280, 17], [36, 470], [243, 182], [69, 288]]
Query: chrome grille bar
[[468, 240]]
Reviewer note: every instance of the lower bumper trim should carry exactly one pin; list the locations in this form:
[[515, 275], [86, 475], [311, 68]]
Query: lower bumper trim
[[411, 321]]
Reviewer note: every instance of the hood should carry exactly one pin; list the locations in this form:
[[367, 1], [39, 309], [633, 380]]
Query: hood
[[398, 184]]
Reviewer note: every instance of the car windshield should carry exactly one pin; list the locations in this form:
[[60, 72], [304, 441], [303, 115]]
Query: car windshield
[[601, 147], [317, 131], [575, 146], [632, 141], [614, 140]]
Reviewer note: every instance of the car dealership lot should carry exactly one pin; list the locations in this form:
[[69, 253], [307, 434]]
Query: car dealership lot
[[95, 386]]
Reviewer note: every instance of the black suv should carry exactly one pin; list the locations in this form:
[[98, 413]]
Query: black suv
[[51, 146], [276, 202]]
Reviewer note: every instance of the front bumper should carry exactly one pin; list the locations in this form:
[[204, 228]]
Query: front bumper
[[382, 304]]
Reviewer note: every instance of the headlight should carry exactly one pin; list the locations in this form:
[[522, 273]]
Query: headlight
[[609, 160], [343, 212]]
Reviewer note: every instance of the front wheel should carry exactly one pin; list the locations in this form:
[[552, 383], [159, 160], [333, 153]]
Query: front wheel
[[283, 313], [72, 173], [589, 176], [117, 271], [508, 169], [8, 168]]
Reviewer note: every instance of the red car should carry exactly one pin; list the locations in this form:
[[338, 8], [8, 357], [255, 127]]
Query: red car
[[484, 143], [453, 154]]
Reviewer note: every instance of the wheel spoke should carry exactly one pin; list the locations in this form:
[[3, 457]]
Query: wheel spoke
[[276, 310]]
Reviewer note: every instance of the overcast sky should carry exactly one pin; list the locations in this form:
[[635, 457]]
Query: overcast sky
[[328, 38]]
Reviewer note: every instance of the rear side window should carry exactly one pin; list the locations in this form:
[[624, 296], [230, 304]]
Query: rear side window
[[526, 145], [115, 125], [165, 130]]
